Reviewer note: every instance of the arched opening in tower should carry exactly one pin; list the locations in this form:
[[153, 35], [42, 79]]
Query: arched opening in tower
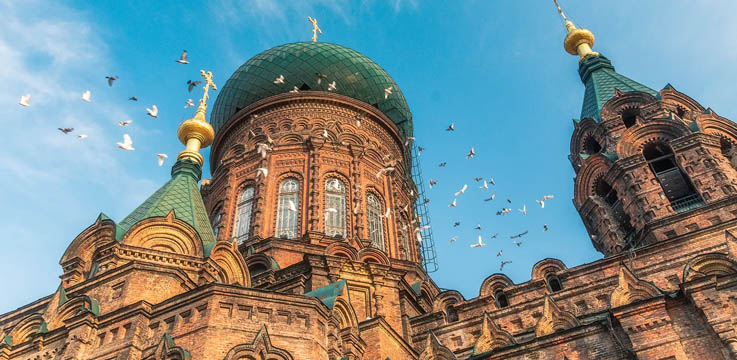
[[629, 117], [609, 195], [591, 146], [676, 185]]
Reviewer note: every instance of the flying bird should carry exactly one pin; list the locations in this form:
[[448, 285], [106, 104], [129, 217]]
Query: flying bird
[[153, 111], [494, 236], [189, 103], [81, 136], [262, 148], [127, 143], [387, 213], [453, 239], [191, 84], [442, 164], [262, 171], [501, 268], [471, 154], [523, 210], [332, 87], [545, 227], [478, 227], [493, 195], [125, 123], [518, 243], [279, 80], [66, 130], [462, 190], [86, 96], [183, 58], [432, 183], [331, 210], [478, 179], [384, 171], [451, 127], [409, 138], [320, 76], [478, 244], [161, 158], [387, 92], [111, 79], [133, 98], [25, 100], [456, 224], [295, 90], [499, 253], [519, 235], [491, 181], [453, 204], [485, 186], [542, 201], [292, 207]]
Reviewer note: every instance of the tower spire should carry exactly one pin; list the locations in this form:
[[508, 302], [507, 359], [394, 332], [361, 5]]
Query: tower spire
[[196, 133], [578, 41]]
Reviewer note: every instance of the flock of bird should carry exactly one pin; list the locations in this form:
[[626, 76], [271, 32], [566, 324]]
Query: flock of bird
[[127, 143]]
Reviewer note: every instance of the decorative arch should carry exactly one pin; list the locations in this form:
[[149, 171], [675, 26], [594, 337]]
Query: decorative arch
[[74, 307], [301, 124], [167, 234], [280, 203], [167, 349], [370, 254], [583, 129], [285, 125], [712, 124], [664, 130], [350, 138], [554, 319], [27, 328], [625, 100], [594, 167], [672, 96], [711, 264], [545, 267], [434, 350], [492, 336], [259, 349], [344, 313], [631, 289], [446, 298], [291, 138], [493, 283], [340, 199], [233, 269], [84, 246], [341, 249]]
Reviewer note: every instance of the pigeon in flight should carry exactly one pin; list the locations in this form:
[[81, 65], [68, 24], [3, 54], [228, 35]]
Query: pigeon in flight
[[320, 76], [494, 236], [442, 164], [501, 268], [125, 123], [523, 210], [81, 136], [545, 227], [331, 210], [493, 195], [518, 243], [499, 253], [485, 186], [111, 79], [478, 227], [432, 183], [471, 154], [292, 207], [491, 181], [161, 158], [387, 213], [153, 111], [332, 87], [127, 143], [453, 204], [384, 171], [478, 244], [133, 98], [86, 96], [451, 127], [453, 239], [387, 92], [295, 90], [279, 80], [457, 224], [66, 130], [462, 190], [191, 84], [262, 171], [542, 201], [183, 58], [478, 179], [25, 100], [189, 103], [262, 148], [519, 235]]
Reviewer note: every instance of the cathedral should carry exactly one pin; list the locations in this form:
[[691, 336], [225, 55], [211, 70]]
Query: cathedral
[[304, 243]]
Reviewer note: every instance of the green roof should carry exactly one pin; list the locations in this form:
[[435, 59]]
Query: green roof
[[355, 75], [328, 294], [601, 81], [181, 195]]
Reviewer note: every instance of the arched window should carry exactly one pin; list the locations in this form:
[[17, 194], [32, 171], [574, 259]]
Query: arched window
[[375, 221], [452, 313], [675, 184], [217, 220], [288, 208], [729, 151], [554, 283], [590, 146], [242, 226], [629, 116], [606, 192], [335, 204], [501, 299]]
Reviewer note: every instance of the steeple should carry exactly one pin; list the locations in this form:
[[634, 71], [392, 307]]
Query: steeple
[[181, 194], [596, 71]]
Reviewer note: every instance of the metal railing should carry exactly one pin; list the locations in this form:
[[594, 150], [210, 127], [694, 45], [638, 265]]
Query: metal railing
[[427, 246], [687, 203]]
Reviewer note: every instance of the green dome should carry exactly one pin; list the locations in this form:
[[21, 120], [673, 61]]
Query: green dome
[[354, 74]]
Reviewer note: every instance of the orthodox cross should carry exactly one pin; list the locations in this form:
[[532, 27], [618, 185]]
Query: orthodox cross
[[315, 29], [208, 83]]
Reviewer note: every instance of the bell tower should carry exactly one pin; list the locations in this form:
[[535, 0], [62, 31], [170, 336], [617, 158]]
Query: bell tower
[[650, 165]]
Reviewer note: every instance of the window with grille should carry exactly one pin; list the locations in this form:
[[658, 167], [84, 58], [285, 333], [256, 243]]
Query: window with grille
[[335, 208], [288, 209], [375, 221], [242, 225]]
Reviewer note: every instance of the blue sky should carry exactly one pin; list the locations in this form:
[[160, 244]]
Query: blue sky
[[496, 69]]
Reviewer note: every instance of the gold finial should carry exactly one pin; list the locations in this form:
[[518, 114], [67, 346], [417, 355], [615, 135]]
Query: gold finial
[[196, 133], [315, 29], [578, 41]]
